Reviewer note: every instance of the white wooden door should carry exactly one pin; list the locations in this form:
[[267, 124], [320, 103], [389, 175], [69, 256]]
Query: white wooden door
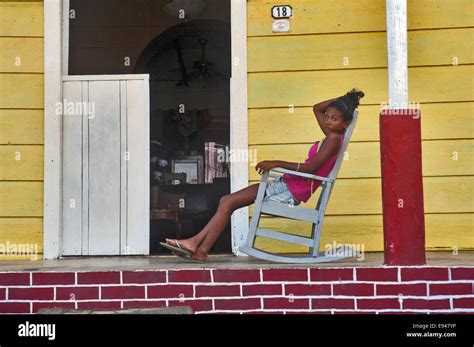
[[106, 165]]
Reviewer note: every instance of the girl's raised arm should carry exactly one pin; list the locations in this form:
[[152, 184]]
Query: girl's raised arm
[[319, 110]]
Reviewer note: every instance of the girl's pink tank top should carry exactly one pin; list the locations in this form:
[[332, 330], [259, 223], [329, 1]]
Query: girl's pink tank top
[[302, 188]]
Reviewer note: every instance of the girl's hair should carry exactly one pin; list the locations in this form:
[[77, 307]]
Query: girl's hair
[[348, 103]]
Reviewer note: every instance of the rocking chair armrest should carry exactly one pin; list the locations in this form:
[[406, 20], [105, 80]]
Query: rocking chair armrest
[[302, 174]]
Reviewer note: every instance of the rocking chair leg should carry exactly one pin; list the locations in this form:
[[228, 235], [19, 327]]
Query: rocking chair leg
[[257, 210]]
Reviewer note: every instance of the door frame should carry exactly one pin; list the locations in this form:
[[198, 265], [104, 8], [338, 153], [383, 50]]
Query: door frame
[[56, 40]]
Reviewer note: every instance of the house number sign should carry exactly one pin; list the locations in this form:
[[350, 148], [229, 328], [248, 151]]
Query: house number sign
[[279, 12]]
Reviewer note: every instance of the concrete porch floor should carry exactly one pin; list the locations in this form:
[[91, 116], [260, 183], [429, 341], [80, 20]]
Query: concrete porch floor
[[440, 258]]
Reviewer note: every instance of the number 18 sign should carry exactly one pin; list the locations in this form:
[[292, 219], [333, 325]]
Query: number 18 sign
[[282, 11]]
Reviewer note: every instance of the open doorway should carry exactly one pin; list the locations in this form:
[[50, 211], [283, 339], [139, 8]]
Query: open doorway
[[189, 67], [188, 60]]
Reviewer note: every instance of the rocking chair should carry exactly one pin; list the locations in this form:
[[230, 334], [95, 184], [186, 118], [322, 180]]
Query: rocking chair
[[298, 213]]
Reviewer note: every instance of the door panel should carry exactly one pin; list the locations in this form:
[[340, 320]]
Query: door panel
[[104, 168], [72, 164], [106, 165], [138, 144]]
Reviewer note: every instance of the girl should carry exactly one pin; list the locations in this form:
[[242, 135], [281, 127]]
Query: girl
[[333, 117]]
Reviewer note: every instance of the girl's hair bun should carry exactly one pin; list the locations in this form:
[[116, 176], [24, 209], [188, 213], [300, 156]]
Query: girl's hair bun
[[354, 96]]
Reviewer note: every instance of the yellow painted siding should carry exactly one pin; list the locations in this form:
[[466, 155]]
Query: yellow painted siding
[[334, 46], [299, 68], [21, 121]]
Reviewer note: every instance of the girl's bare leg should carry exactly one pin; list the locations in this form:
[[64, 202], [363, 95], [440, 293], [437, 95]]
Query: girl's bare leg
[[201, 243]]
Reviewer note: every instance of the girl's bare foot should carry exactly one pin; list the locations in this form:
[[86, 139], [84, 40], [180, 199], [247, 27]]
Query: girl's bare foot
[[193, 256], [187, 244], [199, 256]]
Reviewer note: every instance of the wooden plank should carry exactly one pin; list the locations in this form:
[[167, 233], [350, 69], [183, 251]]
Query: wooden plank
[[439, 14], [317, 52], [52, 128], [356, 50], [22, 231], [85, 169], [21, 55], [73, 200], [280, 209], [439, 47], [21, 199], [397, 53], [21, 163], [444, 231], [39, 256], [286, 237], [138, 167], [443, 77], [21, 91], [320, 16], [22, 127], [104, 169], [339, 16], [124, 249], [440, 157], [89, 78], [281, 89], [21, 19], [26, 258], [363, 196], [439, 121]]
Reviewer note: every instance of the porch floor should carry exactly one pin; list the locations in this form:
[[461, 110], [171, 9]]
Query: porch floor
[[97, 263]]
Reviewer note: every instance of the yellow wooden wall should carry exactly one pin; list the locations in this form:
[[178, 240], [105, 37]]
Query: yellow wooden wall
[[21, 123], [306, 66], [299, 68]]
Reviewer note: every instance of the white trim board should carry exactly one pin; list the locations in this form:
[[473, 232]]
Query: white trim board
[[397, 53], [239, 173], [52, 222], [105, 77], [56, 40]]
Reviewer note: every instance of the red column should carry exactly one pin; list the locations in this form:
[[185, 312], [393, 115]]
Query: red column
[[402, 187]]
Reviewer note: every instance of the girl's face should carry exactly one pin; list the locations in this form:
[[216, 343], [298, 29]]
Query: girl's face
[[334, 121]]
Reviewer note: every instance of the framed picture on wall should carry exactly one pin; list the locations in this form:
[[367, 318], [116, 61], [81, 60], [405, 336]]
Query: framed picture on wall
[[191, 165], [215, 162]]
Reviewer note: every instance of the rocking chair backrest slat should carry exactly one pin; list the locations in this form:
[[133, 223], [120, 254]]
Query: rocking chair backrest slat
[[335, 170], [337, 165]]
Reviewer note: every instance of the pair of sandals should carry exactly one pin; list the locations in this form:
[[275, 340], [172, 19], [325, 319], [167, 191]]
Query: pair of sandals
[[180, 251]]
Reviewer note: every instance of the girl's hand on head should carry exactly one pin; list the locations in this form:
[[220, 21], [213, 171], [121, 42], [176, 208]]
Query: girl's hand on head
[[265, 166]]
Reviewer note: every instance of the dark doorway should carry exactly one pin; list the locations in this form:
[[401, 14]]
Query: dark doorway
[[188, 59]]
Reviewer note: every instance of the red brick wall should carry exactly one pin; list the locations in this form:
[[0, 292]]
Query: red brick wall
[[316, 290]]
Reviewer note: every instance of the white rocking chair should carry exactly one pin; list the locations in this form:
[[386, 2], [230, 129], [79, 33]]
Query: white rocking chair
[[298, 213]]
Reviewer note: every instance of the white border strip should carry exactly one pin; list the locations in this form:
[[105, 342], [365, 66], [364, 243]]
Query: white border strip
[[105, 77], [239, 171], [397, 55], [52, 222]]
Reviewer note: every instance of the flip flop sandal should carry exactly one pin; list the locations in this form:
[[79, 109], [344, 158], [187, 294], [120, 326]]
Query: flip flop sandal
[[181, 255], [178, 249]]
